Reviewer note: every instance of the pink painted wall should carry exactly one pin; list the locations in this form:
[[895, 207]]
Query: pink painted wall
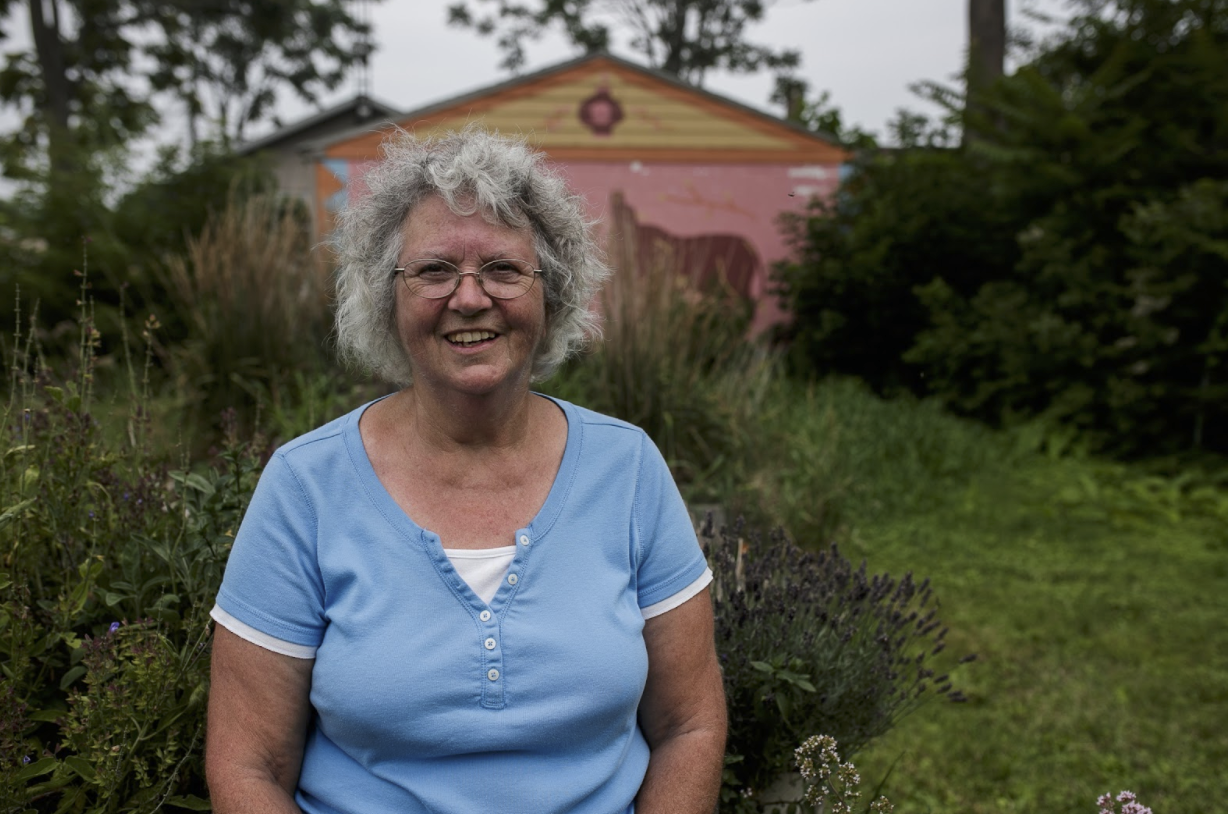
[[689, 200], [685, 200]]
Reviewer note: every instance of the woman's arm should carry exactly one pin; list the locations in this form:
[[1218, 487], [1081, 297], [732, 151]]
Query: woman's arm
[[258, 713], [682, 713]]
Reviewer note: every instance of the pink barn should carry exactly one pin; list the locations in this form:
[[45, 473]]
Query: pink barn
[[698, 173]]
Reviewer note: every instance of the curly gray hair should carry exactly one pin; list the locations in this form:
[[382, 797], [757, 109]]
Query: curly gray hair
[[472, 170]]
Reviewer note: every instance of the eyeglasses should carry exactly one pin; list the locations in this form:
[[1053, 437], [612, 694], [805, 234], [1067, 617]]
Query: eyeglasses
[[434, 279]]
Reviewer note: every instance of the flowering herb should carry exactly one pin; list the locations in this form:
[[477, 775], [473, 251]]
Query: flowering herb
[[810, 643], [1130, 804]]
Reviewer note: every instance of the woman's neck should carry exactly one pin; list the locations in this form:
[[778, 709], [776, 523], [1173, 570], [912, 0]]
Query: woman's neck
[[457, 421]]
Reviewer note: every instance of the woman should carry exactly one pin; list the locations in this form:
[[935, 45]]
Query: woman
[[465, 596]]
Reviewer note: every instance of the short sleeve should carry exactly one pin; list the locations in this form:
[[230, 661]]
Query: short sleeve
[[669, 558], [272, 581]]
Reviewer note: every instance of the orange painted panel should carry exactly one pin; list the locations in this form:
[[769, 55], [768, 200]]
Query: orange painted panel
[[601, 109]]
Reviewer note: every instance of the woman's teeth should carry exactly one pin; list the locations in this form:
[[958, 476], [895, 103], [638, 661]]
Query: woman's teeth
[[467, 338]]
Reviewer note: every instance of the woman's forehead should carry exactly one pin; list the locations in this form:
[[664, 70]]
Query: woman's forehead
[[434, 223]]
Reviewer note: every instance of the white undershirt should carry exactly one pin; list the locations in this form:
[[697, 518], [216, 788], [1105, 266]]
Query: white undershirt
[[483, 569]]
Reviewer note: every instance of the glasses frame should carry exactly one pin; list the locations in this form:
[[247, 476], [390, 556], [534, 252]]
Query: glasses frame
[[461, 274]]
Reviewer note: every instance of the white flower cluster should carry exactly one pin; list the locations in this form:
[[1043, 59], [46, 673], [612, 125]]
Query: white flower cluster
[[830, 783], [1130, 804]]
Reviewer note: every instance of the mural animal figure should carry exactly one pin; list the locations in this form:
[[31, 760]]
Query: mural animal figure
[[725, 263]]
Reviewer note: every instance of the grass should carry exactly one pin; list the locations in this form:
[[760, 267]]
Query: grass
[[1097, 606]]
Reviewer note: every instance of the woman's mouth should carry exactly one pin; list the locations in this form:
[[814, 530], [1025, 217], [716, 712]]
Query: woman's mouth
[[467, 339]]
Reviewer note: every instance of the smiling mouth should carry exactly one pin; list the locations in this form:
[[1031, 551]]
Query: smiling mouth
[[467, 339]]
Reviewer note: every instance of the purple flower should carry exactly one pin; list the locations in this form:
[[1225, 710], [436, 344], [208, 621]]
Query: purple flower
[[25, 761], [114, 627]]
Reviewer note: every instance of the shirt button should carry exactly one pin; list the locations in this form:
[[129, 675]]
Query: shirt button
[[490, 644], [524, 540], [484, 616], [512, 579], [492, 674]]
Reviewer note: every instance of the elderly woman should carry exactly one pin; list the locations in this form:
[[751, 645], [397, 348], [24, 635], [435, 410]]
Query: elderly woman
[[466, 596]]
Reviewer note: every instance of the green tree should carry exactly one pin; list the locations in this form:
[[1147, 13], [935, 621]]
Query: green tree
[[818, 115], [686, 38], [92, 80], [902, 218], [94, 67], [1084, 278]]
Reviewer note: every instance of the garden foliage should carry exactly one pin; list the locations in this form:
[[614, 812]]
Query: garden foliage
[[252, 296], [675, 361], [109, 562], [1068, 260], [810, 643], [46, 229]]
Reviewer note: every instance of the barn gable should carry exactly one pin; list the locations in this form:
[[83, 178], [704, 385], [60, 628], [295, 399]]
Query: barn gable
[[602, 107]]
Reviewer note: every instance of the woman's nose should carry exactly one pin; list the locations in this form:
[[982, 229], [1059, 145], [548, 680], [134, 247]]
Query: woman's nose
[[469, 294]]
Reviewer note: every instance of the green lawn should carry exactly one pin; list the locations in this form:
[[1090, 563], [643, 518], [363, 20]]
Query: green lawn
[[1101, 622]]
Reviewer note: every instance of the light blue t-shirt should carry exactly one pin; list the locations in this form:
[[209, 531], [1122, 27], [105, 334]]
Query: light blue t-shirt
[[424, 697]]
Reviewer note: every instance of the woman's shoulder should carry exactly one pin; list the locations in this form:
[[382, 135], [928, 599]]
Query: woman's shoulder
[[592, 418], [332, 432]]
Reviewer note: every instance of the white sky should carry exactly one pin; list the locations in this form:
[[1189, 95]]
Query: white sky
[[865, 52]]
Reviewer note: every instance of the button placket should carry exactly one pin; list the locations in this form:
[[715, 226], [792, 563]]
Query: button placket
[[492, 659]]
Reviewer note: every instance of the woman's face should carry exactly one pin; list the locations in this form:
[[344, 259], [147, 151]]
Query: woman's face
[[468, 342]]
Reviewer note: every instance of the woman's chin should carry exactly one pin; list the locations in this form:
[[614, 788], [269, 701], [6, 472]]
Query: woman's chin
[[482, 380]]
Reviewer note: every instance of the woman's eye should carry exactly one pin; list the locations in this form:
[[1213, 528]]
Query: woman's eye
[[435, 271], [502, 271]]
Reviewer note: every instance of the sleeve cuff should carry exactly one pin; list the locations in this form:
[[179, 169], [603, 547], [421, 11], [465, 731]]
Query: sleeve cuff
[[669, 603], [250, 634]]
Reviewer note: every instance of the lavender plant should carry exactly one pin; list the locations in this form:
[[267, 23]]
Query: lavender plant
[[808, 643]]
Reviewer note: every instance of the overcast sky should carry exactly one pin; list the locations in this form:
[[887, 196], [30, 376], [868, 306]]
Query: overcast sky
[[865, 52]]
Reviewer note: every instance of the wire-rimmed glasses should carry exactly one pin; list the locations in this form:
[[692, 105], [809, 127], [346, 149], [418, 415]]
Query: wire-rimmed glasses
[[434, 279]]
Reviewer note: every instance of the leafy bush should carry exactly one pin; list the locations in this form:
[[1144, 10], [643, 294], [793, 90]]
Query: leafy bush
[[808, 643], [110, 562], [46, 224], [1066, 261]]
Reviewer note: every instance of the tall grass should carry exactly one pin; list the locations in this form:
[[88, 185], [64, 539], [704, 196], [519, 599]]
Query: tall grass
[[253, 295], [675, 361]]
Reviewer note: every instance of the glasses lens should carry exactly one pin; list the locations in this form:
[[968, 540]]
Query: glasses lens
[[435, 279], [431, 279], [507, 279]]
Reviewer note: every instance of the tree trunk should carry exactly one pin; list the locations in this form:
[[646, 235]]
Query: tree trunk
[[57, 89], [986, 42], [986, 52]]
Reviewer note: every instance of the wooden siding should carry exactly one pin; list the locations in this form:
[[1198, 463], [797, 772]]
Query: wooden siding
[[661, 122]]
